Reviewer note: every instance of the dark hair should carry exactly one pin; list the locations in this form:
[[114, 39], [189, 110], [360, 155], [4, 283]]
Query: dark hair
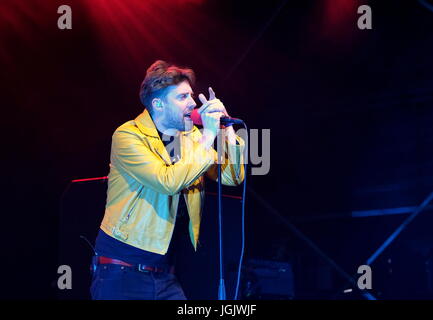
[[159, 76]]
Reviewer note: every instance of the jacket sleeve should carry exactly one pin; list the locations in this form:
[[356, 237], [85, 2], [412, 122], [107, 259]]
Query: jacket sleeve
[[131, 156], [232, 168]]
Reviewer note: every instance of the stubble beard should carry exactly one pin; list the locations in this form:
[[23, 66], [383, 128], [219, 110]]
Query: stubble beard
[[179, 122]]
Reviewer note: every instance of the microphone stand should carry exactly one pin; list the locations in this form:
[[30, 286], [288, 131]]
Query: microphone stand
[[221, 288]]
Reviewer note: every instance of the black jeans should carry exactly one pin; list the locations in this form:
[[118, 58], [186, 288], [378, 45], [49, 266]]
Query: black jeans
[[116, 282]]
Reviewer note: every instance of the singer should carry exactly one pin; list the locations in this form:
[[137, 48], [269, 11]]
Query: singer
[[156, 186]]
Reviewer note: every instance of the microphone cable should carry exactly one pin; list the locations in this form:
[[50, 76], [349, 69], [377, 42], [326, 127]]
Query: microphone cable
[[243, 216]]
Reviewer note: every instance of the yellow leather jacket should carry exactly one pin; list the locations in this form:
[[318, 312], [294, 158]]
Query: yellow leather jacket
[[144, 186]]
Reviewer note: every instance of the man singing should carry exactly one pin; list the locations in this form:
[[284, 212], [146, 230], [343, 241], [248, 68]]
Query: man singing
[[156, 186]]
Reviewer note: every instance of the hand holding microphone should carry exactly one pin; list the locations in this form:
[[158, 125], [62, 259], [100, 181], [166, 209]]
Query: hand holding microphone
[[211, 115], [212, 105]]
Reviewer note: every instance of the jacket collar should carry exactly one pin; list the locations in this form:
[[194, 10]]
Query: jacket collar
[[146, 125]]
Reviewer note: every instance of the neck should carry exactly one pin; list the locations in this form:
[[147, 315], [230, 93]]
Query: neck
[[164, 129]]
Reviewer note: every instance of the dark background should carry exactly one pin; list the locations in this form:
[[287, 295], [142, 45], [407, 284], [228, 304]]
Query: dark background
[[350, 114]]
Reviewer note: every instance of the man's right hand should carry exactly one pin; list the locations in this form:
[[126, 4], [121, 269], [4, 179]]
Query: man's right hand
[[211, 111]]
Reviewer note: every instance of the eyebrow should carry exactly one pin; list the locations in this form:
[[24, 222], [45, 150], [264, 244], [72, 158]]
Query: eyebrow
[[182, 93]]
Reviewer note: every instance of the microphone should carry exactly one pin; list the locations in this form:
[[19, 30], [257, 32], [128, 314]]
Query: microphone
[[226, 121]]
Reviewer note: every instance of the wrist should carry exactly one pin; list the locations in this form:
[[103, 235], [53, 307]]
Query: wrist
[[207, 138], [230, 135]]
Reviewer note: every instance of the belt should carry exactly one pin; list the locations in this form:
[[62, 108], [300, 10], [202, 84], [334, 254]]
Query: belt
[[139, 267]]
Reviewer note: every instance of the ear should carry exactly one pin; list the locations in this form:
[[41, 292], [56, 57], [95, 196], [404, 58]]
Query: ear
[[157, 104]]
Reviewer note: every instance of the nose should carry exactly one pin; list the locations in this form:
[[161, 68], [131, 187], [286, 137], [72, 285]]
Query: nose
[[192, 104]]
